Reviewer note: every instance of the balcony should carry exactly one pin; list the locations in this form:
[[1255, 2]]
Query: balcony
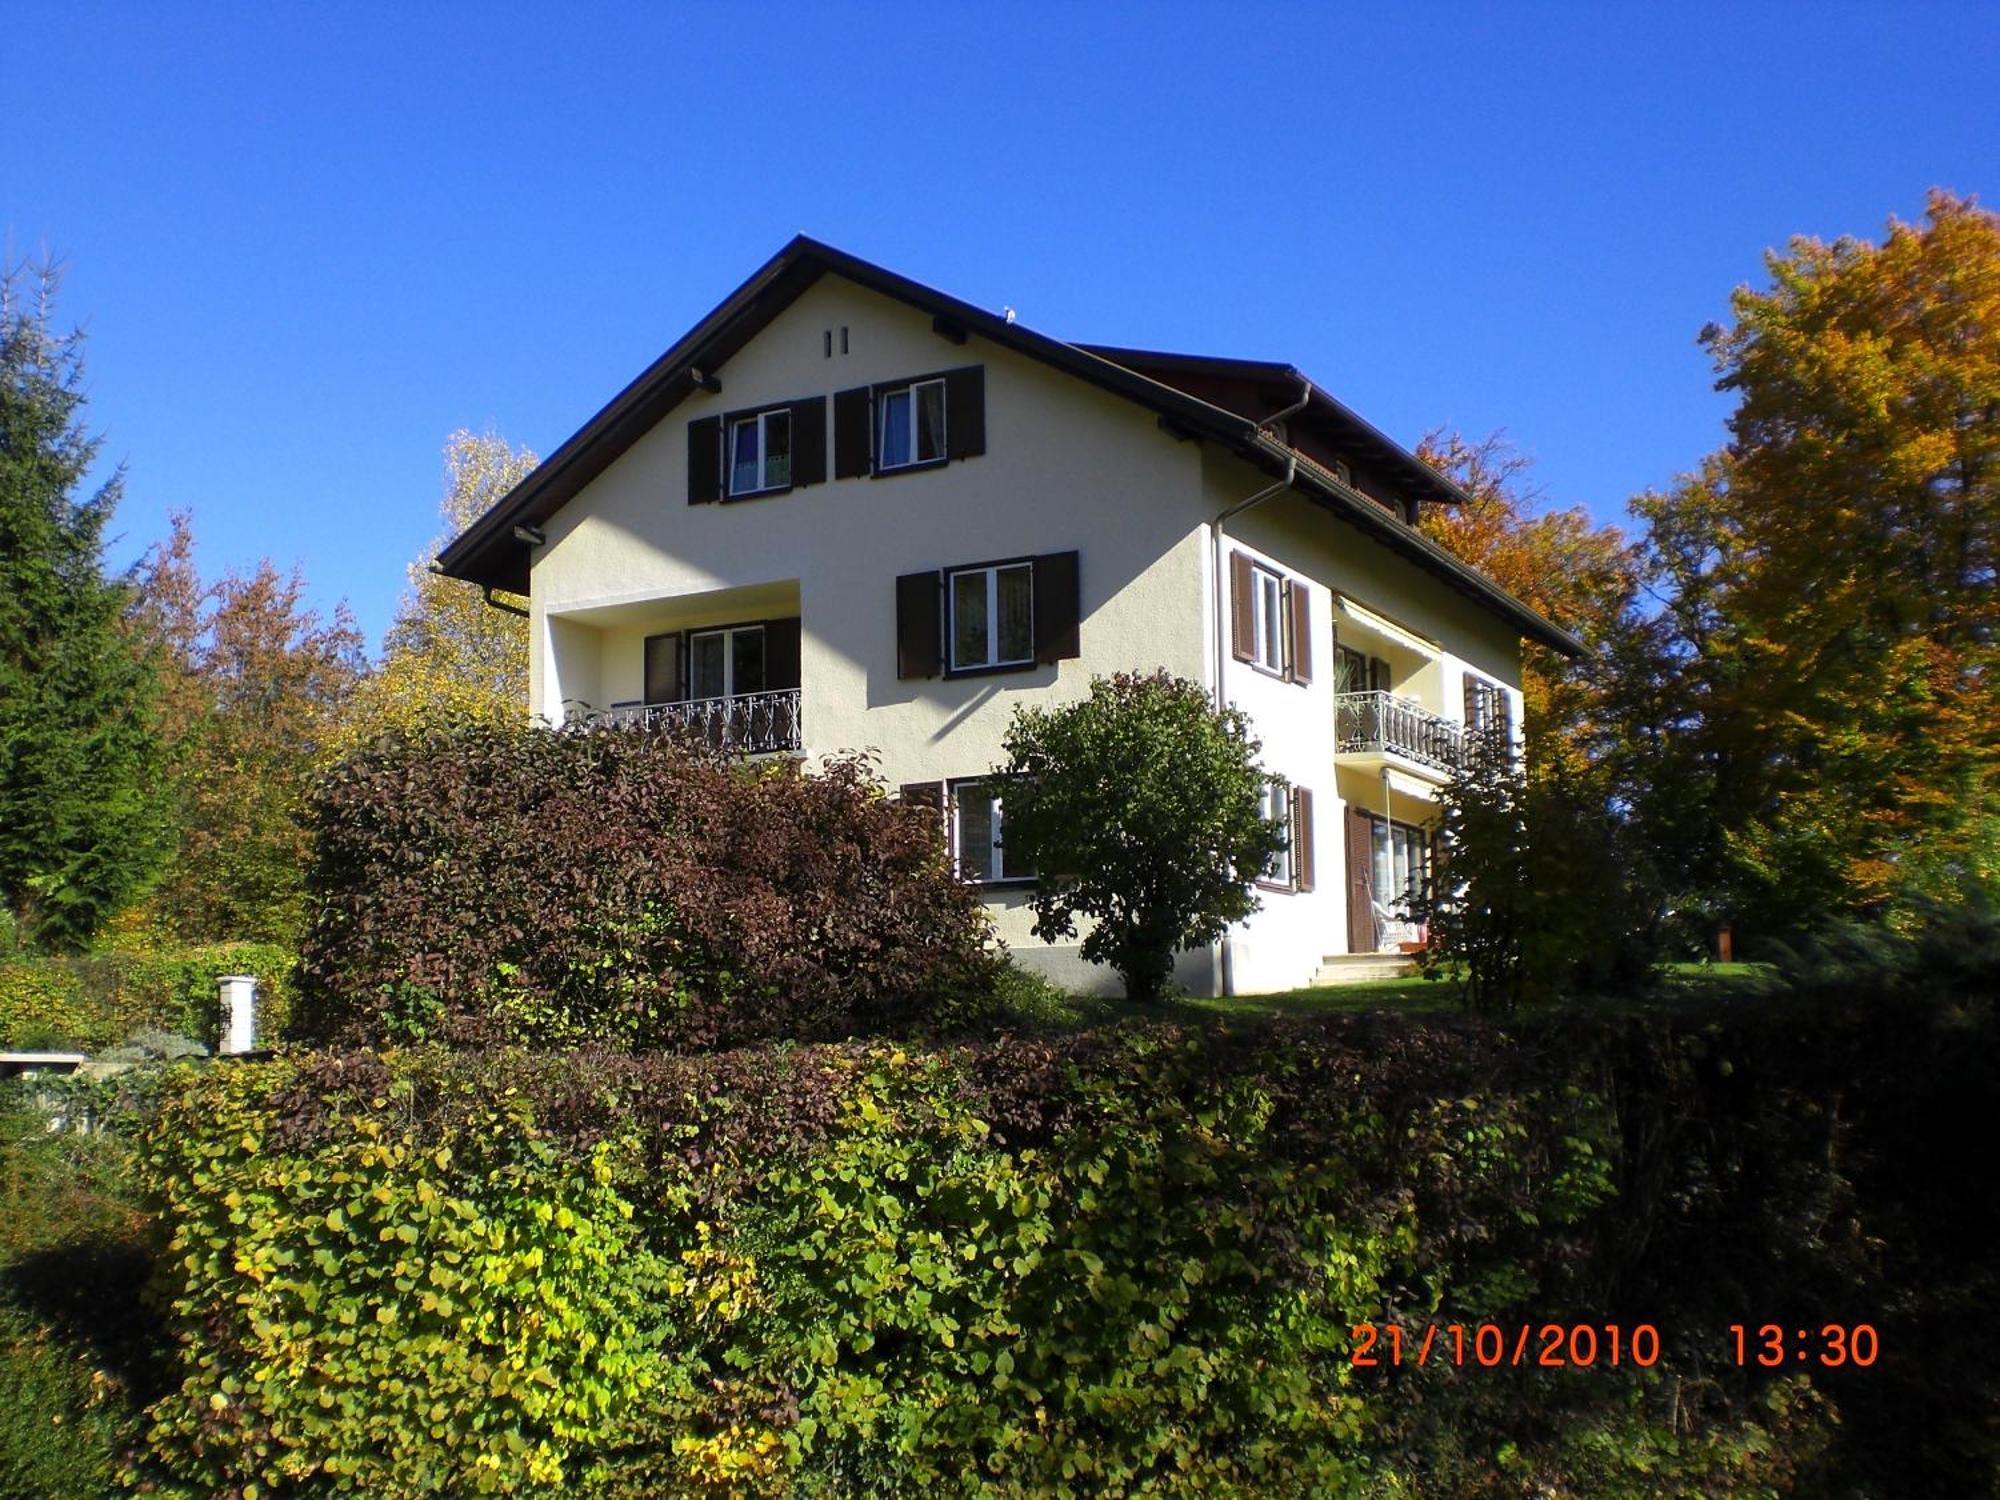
[[1379, 723], [741, 723]]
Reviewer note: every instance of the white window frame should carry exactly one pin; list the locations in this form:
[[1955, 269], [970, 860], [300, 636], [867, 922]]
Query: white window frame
[[993, 659], [1268, 620], [1275, 804], [728, 634], [761, 420], [997, 860], [912, 390]]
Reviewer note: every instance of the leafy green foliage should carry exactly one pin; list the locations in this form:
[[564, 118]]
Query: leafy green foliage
[[1536, 892], [98, 999], [80, 825], [1139, 805], [508, 884], [1116, 1266], [77, 1342]]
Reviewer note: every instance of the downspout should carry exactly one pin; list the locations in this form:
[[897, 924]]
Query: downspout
[[1215, 526], [1228, 975]]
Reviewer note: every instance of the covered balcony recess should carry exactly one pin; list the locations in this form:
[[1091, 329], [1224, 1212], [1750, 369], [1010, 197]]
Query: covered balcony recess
[[720, 666]]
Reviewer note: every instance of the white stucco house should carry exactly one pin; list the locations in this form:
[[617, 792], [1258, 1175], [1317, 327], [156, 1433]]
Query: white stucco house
[[848, 512]]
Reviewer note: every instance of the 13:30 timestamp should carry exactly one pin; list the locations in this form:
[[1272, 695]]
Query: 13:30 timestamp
[[1832, 1345]]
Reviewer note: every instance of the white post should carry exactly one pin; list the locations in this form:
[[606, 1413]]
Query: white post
[[239, 1011]]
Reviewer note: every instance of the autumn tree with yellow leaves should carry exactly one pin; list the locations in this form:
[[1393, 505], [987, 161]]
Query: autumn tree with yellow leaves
[[450, 655]]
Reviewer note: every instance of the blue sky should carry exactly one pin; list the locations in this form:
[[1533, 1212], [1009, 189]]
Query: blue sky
[[307, 243]]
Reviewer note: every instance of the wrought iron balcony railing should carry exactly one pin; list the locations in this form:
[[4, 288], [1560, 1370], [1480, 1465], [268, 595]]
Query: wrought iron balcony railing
[[745, 723], [1370, 723]]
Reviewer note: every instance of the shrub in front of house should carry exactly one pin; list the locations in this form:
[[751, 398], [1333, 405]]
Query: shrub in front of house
[[554, 888]]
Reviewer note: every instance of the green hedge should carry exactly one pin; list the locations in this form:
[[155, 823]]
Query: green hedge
[[96, 1000], [1110, 1265]]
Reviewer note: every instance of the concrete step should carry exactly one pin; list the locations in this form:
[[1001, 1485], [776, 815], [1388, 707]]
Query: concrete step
[[1359, 968]]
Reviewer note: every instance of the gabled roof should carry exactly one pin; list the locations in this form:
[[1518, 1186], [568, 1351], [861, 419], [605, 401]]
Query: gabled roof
[[489, 553]]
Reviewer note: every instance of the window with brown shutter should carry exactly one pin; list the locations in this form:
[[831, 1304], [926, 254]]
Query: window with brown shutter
[[781, 655], [918, 422], [1058, 607], [1302, 838], [965, 411], [704, 460], [851, 451], [1243, 609], [919, 641], [1298, 632], [809, 441]]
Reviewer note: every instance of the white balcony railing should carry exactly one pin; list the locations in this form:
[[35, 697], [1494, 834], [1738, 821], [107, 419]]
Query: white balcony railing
[[745, 723], [1374, 723]]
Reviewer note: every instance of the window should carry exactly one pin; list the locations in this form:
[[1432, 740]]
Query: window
[[1488, 710], [1270, 620], [1267, 642], [760, 452], [1361, 673], [912, 425], [1003, 616], [724, 663], [992, 617], [1275, 803], [977, 841], [1401, 863]]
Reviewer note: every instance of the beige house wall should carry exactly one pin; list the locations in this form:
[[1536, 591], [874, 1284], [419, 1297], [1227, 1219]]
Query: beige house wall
[[1066, 467]]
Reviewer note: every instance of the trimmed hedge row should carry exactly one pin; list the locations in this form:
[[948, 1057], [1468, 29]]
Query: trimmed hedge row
[[510, 885], [96, 1000], [1116, 1265], [1108, 1265]]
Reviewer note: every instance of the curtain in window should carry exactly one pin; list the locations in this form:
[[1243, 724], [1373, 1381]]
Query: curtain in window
[[777, 450], [968, 620], [743, 459], [895, 446], [1017, 618], [930, 422]]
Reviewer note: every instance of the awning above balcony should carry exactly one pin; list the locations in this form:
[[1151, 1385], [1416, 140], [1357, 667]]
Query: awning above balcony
[[1385, 627]]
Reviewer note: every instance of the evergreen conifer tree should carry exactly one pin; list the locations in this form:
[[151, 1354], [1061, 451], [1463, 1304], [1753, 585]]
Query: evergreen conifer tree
[[80, 817]]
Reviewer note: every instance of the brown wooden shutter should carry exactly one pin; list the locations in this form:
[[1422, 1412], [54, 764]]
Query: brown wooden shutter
[[781, 655], [1504, 715], [918, 652], [1302, 838], [1057, 607], [1298, 606], [965, 412], [1242, 609], [704, 460], [1360, 878], [1473, 705], [666, 668], [809, 441], [850, 433]]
